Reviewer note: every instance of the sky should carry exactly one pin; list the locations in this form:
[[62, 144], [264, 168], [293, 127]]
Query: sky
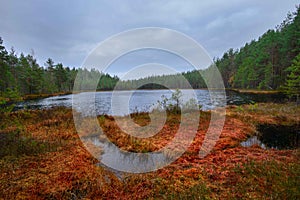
[[68, 31]]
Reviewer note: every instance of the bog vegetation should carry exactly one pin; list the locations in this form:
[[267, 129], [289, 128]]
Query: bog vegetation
[[42, 157]]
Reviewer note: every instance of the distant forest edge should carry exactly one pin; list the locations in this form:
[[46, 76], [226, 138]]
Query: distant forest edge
[[272, 62]]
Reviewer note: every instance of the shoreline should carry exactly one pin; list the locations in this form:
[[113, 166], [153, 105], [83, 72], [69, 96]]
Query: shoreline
[[41, 96], [46, 95], [255, 91]]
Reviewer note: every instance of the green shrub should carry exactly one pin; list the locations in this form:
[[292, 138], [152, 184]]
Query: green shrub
[[14, 144]]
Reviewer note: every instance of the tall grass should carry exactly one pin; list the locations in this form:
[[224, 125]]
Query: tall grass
[[265, 180], [14, 144]]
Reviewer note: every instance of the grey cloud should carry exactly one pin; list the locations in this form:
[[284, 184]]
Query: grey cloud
[[68, 30]]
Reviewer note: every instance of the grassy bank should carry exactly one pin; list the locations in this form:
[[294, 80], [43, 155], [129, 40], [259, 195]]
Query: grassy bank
[[11, 99], [42, 157], [253, 91], [40, 96]]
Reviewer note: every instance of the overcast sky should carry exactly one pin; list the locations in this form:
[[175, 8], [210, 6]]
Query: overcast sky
[[67, 31]]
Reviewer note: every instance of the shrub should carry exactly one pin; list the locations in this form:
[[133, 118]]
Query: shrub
[[175, 105]]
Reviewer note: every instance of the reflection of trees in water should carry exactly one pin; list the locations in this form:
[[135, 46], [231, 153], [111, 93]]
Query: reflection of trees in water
[[279, 137], [275, 136]]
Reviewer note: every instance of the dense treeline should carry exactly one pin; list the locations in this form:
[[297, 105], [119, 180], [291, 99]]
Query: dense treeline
[[262, 63], [21, 75], [184, 80]]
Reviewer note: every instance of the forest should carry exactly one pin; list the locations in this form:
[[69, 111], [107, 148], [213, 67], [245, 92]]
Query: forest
[[270, 63], [22, 75], [264, 63]]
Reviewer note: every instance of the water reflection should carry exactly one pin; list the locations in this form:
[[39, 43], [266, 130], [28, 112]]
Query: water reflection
[[124, 161], [280, 136], [275, 136]]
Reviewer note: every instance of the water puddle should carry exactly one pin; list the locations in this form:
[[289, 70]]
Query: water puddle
[[253, 141], [275, 136], [123, 163]]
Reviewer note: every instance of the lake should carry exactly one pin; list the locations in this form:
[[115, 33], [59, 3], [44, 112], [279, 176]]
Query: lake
[[138, 100]]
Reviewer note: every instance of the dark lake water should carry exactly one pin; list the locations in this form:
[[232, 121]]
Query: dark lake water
[[139, 100]]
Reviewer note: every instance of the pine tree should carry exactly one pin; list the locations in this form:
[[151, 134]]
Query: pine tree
[[292, 84]]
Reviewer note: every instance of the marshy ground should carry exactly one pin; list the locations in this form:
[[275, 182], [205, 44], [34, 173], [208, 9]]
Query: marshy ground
[[42, 157]]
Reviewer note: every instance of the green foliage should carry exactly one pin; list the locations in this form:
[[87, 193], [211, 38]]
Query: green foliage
[[7, 108], [2, 101], [12, 94], [20, 75], [240, 109], [172, 104], [191, 105], [198, 191], [292, 85], [14, 144], [6, 102], [183, 80], [268, 179], [262, 63]]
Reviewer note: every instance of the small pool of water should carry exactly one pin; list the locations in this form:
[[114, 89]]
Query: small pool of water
[[121, 162], [253, 141], [275, 136]]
